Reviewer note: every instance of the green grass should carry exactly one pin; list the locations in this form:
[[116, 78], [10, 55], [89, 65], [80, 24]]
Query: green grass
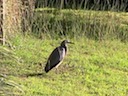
[[96, 65], [97, 25], [91, 68]]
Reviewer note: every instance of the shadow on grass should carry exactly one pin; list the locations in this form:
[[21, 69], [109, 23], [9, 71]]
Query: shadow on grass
[[34, 75]]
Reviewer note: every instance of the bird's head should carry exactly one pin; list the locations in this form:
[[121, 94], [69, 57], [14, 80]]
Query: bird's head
[[65, 42]]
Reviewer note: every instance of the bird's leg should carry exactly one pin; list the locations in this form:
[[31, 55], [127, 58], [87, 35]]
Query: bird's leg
[[56, 70]]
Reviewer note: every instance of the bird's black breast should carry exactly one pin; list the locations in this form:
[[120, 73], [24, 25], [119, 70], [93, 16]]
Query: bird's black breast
[[54, 59]]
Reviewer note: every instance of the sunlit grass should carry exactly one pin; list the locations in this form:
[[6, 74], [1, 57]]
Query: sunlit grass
[[96, 64], [90, 68]]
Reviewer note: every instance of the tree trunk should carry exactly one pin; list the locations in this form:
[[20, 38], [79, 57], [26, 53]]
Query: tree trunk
[[15, 17], [27, 14], [11, 17], [1, 22]]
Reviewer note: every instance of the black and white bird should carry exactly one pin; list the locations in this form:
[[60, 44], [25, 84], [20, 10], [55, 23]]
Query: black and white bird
[[57, 56]]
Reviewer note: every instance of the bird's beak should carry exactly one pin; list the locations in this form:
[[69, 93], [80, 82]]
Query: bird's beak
[[70, 42]]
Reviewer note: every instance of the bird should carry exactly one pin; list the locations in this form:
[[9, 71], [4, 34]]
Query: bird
[[57, 56]]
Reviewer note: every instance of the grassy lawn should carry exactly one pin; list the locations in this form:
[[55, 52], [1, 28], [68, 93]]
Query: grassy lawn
[[91, 68], [96, 65]]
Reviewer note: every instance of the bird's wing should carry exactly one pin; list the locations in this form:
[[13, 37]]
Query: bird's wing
[[56, 56]]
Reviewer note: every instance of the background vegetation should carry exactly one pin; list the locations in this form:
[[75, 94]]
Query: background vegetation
[[97, 64]]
